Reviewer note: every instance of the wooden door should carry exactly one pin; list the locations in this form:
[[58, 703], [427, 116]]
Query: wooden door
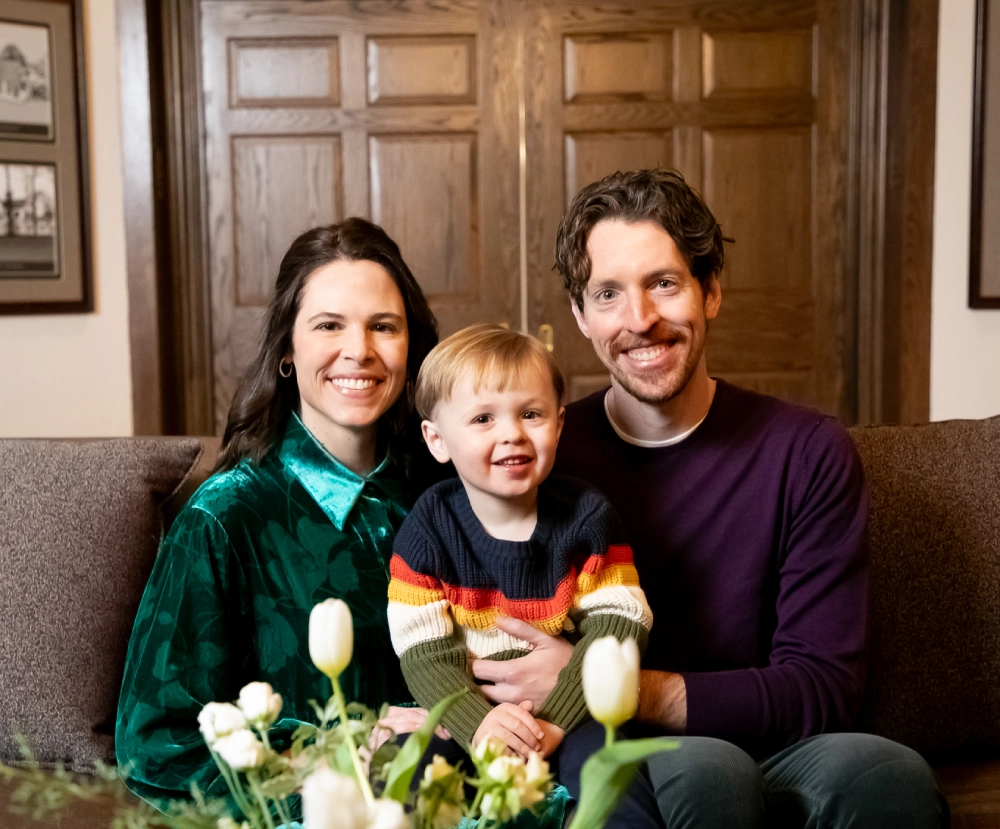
[[402, 111], [749, 101]]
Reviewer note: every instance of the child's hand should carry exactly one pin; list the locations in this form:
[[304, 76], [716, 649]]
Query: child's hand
[[553, 737], [513, 726]]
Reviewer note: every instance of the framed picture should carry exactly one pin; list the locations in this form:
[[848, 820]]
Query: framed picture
[[45, 259], [25, 87], [984, 237]]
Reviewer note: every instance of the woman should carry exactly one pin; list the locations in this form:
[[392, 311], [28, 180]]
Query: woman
[[318, 468]]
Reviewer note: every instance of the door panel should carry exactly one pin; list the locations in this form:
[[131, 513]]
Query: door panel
[[402, 112], [408, 112], [748, 101]]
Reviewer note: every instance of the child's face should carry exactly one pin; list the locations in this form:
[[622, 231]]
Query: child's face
[[503, 443]]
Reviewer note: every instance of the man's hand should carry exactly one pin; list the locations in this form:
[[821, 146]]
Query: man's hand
[[663, 700], [528, 678], [513, 726], [401, 721]]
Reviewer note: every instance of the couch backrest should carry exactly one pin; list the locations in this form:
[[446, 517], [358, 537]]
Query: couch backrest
[[80, 522], [934, 665]]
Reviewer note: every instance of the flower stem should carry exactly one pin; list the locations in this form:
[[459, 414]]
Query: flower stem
[[261, 800], [359, 770], [235, 789], [609, 736]]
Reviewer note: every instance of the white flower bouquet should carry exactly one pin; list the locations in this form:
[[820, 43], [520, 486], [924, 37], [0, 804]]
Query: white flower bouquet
[[331, 765]]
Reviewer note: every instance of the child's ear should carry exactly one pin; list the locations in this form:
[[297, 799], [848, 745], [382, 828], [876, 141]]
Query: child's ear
[[434, 441], [560, 421]]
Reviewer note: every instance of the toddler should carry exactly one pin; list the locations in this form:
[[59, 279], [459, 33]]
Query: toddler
[[504, 539]]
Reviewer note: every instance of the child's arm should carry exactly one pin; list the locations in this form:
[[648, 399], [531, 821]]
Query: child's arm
[[435, 664], [608, 602]]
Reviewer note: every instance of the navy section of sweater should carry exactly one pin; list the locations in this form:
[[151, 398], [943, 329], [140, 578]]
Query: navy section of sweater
[[750, 540]]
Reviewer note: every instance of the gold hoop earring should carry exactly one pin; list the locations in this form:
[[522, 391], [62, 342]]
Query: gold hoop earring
[[281, 369]]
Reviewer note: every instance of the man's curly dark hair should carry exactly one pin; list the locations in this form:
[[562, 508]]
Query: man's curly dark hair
[[661, 196]]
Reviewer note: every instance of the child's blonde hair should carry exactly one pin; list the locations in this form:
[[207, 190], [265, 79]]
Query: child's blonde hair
[[495, 357]]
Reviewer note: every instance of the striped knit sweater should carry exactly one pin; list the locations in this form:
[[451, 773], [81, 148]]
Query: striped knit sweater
[[451, 580]]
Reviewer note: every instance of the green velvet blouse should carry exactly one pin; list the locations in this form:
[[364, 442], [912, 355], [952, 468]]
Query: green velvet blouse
[[229, 598]]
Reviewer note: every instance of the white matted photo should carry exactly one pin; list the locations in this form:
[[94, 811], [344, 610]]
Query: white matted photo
[[29, 238], [25, 82]]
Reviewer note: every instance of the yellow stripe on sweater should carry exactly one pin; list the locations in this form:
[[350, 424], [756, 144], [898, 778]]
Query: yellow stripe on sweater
[[400, 591], [486, 619], [617, 575]]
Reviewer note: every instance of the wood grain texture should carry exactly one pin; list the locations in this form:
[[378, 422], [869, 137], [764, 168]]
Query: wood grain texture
[[618, 66], [140, 220], [422, 70], [755, 63], [293, 72], [303, 175], [423, 192], [591, 156]]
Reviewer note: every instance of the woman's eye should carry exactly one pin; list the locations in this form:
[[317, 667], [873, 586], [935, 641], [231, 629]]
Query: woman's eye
[[328, 326], [383, 328]]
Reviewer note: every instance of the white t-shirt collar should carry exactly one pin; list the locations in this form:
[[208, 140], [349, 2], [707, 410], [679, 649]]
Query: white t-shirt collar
[[645, 444]]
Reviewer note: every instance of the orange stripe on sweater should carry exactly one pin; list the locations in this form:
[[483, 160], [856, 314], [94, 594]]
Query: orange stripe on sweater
[[400, 570]]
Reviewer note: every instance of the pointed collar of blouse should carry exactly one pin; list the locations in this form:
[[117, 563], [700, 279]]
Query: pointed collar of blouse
[[333, 486]]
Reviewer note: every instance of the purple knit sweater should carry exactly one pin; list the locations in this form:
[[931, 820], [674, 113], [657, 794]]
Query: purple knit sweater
[[750, 541]]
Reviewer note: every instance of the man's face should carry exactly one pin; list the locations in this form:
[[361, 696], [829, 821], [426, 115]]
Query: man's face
[[643, 310]]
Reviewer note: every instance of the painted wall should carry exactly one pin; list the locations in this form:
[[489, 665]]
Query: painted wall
[[69, 375], [965, 343]]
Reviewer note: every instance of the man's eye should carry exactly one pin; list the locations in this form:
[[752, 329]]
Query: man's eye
[[666, 284], [605, 296]]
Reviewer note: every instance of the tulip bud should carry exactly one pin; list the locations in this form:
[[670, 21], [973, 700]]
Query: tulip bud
[[332, 801], [259, 704], [611, 680], [387, 814], [331, 637], [241, 750], [217, 719], [437, 768]]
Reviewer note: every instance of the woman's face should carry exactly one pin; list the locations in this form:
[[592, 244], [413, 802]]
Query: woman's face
[[349, 347]]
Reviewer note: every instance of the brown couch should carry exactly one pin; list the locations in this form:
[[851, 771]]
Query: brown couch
[[80, 523]]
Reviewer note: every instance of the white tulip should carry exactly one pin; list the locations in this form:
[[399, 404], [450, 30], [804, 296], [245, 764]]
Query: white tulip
[[536, 770], [259, 704], [217, 719], [331, 637], [229, 823], [241, 750], [611, 680], [387, 814], [489, 748], [503, 769], [332, 801], [437, 768]]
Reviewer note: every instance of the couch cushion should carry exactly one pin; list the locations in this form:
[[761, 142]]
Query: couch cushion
[[79, 528], [935, 584]]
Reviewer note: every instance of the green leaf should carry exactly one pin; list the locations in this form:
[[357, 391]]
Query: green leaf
[[401, 769], [606, 776]]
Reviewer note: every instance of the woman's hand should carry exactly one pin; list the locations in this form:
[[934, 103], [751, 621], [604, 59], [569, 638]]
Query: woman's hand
[[527, 678], [513, 726], [401, 721]]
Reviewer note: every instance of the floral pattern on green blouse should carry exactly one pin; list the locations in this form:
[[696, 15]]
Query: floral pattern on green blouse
[[229, 598]]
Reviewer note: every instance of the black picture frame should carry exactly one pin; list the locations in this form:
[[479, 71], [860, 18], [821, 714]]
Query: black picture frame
[[984, 230], [67, 287]]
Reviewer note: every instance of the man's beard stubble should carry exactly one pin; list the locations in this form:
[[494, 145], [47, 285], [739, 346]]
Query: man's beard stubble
[[678, 377]]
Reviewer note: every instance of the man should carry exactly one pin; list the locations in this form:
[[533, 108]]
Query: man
[[747, 516]]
